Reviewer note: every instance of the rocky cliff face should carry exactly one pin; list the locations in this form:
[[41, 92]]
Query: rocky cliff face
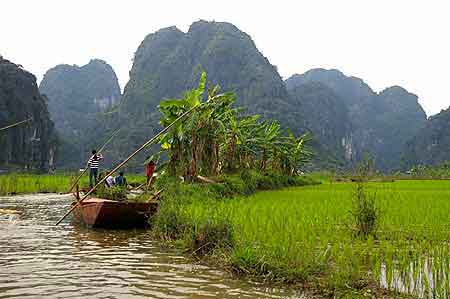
[[322, 112], [78, 96], [31, 145], [377, 124], [431, 145]]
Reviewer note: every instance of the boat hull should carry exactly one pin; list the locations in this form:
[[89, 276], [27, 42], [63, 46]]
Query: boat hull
[[104, 213]]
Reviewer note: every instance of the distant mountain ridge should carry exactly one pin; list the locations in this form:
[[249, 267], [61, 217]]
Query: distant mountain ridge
[[32, 145]]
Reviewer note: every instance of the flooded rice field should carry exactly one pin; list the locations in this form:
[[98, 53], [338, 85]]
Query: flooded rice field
[[40, 260]]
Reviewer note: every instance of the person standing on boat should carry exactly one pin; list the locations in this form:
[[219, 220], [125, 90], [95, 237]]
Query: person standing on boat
[[93, 164]]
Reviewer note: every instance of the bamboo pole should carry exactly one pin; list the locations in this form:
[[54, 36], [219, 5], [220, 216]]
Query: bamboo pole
[[128, 159], [16, 124], [86, 166], [138, 187]]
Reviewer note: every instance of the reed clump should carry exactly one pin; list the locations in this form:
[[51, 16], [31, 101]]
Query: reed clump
[[364, 214]]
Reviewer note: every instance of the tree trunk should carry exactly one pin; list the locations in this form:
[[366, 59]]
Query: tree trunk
[[194, 153]]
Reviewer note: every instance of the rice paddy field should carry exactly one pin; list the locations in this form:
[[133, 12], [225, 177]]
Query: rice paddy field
[[307, 234], [48, 183]]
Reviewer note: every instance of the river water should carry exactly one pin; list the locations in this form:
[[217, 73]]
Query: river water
[[40, 260]]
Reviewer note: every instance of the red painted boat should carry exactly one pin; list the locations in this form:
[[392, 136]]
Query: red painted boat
[[104, 213]]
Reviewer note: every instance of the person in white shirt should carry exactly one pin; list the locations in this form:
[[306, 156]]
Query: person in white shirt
[[109, 182]]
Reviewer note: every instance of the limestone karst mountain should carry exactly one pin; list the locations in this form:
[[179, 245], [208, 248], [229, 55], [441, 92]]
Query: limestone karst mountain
[[378, 124], [169, 61], [346, 117], [322, 113], [78, 96], [31, 145]]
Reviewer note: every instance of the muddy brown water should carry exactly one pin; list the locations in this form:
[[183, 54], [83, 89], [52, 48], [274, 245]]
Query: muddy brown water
[[40, 260]]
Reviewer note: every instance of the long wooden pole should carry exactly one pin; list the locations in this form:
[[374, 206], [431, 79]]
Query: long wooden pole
[[128, 159], [16, 124], [86, 166]]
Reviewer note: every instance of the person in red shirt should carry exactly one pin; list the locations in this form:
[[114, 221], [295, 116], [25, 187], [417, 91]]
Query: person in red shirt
[[149, 170]]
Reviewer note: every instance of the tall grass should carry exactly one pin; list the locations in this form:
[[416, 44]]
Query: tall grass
[[302, 234]]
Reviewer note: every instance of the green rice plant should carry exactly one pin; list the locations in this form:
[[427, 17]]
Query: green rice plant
[[301, 234]]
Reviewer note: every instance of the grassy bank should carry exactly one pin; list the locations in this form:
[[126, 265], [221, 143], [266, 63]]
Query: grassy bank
[[47, 183], [307, 234]]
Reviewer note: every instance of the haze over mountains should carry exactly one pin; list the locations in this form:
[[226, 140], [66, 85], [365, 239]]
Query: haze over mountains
[[346, 117]]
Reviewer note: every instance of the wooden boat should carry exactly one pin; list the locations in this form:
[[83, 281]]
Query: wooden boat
[[105, 213]]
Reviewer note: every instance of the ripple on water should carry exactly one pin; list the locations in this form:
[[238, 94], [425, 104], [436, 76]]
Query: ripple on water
[[38, 259]]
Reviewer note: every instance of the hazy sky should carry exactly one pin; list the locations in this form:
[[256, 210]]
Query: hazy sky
[[384, 42]]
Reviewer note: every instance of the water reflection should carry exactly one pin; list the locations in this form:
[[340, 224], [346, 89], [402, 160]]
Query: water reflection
[[40, 260]]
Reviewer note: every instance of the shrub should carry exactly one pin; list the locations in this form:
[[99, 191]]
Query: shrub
[[206, 236], [170, 222], [365, 215], [114, 193]]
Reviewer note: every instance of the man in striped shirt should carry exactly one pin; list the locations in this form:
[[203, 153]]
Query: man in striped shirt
[[93, 164]]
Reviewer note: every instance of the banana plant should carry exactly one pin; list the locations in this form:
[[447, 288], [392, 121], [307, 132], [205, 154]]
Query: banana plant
[[241, 137], [176, 141], [216, 138], [268, 142], [294, 153]]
